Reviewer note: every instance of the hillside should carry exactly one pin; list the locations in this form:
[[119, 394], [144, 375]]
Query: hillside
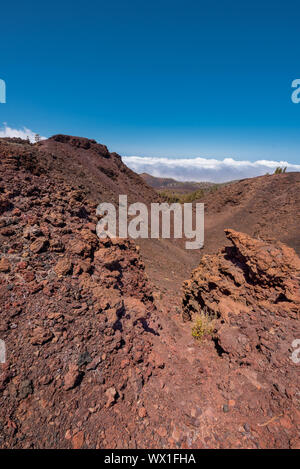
[[160, 184], [80, 162], [266, 207], [98, 354], [73, 309]]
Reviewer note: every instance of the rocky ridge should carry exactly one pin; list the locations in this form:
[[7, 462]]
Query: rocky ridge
[[93, 361], [75, 314], [252, 290]]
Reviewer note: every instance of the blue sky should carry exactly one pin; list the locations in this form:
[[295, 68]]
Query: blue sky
[[157, 79]]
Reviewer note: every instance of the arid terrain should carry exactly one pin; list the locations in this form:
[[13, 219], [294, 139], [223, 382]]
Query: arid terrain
[[170, 184], [100, 351]]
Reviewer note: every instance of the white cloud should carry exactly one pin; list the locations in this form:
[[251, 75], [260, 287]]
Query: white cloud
[[23, 133], [204, 169]]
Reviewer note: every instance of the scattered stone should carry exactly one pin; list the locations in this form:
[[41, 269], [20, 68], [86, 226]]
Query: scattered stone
[[156, 359], [39, 245], [72, 378], [111, 395], [93, 364], [84, 359], [78, 440], [4, 265], [41, 336], [25, 389], [142, 412], [247, 427], [63, 267]]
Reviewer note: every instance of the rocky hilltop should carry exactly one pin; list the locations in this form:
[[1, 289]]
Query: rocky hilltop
[[79, 162], [94, 359]]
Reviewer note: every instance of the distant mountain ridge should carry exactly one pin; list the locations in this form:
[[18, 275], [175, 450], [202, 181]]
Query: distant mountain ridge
[[160, 183]]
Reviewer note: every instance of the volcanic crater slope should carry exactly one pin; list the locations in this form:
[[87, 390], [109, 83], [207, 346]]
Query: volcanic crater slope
[[93, 361], [75, 312], [266, 207]]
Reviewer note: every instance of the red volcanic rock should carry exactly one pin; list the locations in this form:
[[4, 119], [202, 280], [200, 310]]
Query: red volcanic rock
[[72, 378], [63, 317], [135, 308], [251, 278], [63, 267], [254, 290], [40, 336], [142, 412], [80, 248], [87, 363], [111, 394], [39, 245], [78, 440], [4, 265]]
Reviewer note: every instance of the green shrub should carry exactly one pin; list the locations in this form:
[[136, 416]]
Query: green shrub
[[168, 197], [176, 197], [280, 170], [203, 325], [186, 198]]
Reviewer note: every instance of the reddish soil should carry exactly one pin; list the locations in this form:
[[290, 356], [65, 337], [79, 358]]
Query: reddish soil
[[94, 359], [266, 207]]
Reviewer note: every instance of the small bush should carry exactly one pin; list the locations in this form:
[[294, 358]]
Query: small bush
[[203, 325], [190, 197], [168, 197], [279, 170], [176, 197]]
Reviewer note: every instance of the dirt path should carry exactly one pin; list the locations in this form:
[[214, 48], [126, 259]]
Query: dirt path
[[168, 264]]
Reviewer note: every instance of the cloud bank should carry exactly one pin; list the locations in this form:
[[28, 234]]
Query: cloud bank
[[182, 169], [204, 169], [23, 133]]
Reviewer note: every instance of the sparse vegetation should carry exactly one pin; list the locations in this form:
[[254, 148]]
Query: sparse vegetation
[[177, 197], [203, 325], [169, 197], [280, 170]]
